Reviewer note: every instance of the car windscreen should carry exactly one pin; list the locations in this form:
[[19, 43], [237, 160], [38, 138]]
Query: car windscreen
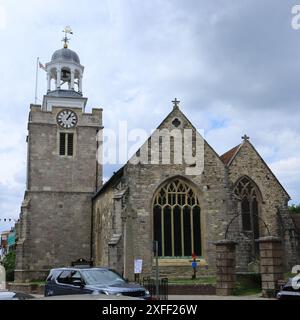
[[101, 276], [53, 275], [293, 284]]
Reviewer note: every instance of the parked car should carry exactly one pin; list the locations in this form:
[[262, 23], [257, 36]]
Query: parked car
[[288, 292], [91, 296], [75, 280], [10, 295]]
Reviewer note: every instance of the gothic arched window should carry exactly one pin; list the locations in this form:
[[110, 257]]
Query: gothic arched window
[[248, 194], [176, 220]]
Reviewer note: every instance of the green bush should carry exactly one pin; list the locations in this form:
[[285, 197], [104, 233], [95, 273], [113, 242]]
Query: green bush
[[294, 209], [248, 284], [9, 262]]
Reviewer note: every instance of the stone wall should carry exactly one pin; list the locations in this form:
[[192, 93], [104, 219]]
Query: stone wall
[[247, 162], [103, 211], [214, 188], [55, 221], [271, 265], [177, 271], [296, 221], [58, 232], [143, 180], [226, 267], [47, 170]]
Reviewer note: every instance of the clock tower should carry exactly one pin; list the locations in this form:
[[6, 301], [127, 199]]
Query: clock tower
[[62, 172]]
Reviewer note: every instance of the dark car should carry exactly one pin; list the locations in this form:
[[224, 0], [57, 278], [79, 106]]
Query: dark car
[[291, 290], [91, 296], [65, 281]]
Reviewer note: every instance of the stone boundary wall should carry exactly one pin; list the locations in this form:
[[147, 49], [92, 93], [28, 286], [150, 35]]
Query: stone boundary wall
[[202, 289], [26, 288]]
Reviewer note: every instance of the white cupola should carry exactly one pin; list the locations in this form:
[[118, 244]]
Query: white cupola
[[64, 78]]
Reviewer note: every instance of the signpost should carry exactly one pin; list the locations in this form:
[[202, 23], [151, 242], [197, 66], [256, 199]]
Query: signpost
[[194, 266], [155, 250]]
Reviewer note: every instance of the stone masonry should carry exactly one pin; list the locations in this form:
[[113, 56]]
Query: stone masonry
[[68, 214], [55, 221], [226, 265], [271, 264], [214, 188]]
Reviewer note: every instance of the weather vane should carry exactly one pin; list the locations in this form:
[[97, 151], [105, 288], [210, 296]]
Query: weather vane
[[66, 30]]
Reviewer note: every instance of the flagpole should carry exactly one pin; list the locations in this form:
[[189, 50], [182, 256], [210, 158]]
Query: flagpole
[[36, 79]]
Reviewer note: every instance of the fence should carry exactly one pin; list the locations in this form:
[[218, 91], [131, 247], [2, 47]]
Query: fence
[[150, 284]]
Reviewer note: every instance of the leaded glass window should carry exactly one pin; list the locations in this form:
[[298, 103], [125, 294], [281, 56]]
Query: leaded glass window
[[177, 220]]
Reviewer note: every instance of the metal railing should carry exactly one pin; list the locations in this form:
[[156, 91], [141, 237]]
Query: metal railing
[[150, 284]]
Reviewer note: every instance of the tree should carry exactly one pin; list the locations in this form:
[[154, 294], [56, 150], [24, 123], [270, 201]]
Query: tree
[[294, 209], [9, 262]]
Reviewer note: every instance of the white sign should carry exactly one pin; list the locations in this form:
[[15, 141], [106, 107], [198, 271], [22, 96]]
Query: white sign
[[138, 265]]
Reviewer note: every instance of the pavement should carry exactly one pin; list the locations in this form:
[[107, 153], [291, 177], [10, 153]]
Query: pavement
[[204, 297], [214, 297]]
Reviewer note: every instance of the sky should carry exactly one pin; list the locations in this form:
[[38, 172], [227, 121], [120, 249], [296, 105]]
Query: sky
[[234, 65]]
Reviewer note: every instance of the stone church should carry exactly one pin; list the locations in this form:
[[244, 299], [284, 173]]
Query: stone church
[[68, 213]]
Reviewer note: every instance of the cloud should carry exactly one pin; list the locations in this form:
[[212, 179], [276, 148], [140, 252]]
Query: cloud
[[12, 169], [3, 19], [234, 65], [288, 172], [10, 203]]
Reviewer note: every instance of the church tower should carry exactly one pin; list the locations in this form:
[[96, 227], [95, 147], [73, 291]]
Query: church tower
[[62, 172]]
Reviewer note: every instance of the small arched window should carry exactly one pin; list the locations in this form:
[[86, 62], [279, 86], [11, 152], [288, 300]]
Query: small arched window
[[176, 220]]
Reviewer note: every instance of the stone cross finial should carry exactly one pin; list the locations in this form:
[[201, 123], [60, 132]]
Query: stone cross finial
[[245, 137], [176, 103]]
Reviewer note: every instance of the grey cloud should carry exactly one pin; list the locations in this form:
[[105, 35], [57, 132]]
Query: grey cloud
[[233, 64]]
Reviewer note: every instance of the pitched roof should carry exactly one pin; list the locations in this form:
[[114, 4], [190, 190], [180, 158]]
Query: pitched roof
[[229, 155], [112, 180], [117, 175]]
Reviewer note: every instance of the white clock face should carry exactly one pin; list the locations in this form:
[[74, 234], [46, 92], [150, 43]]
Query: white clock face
[[67, 118]]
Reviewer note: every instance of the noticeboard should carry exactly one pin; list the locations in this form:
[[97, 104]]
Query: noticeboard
[[138, 266]]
